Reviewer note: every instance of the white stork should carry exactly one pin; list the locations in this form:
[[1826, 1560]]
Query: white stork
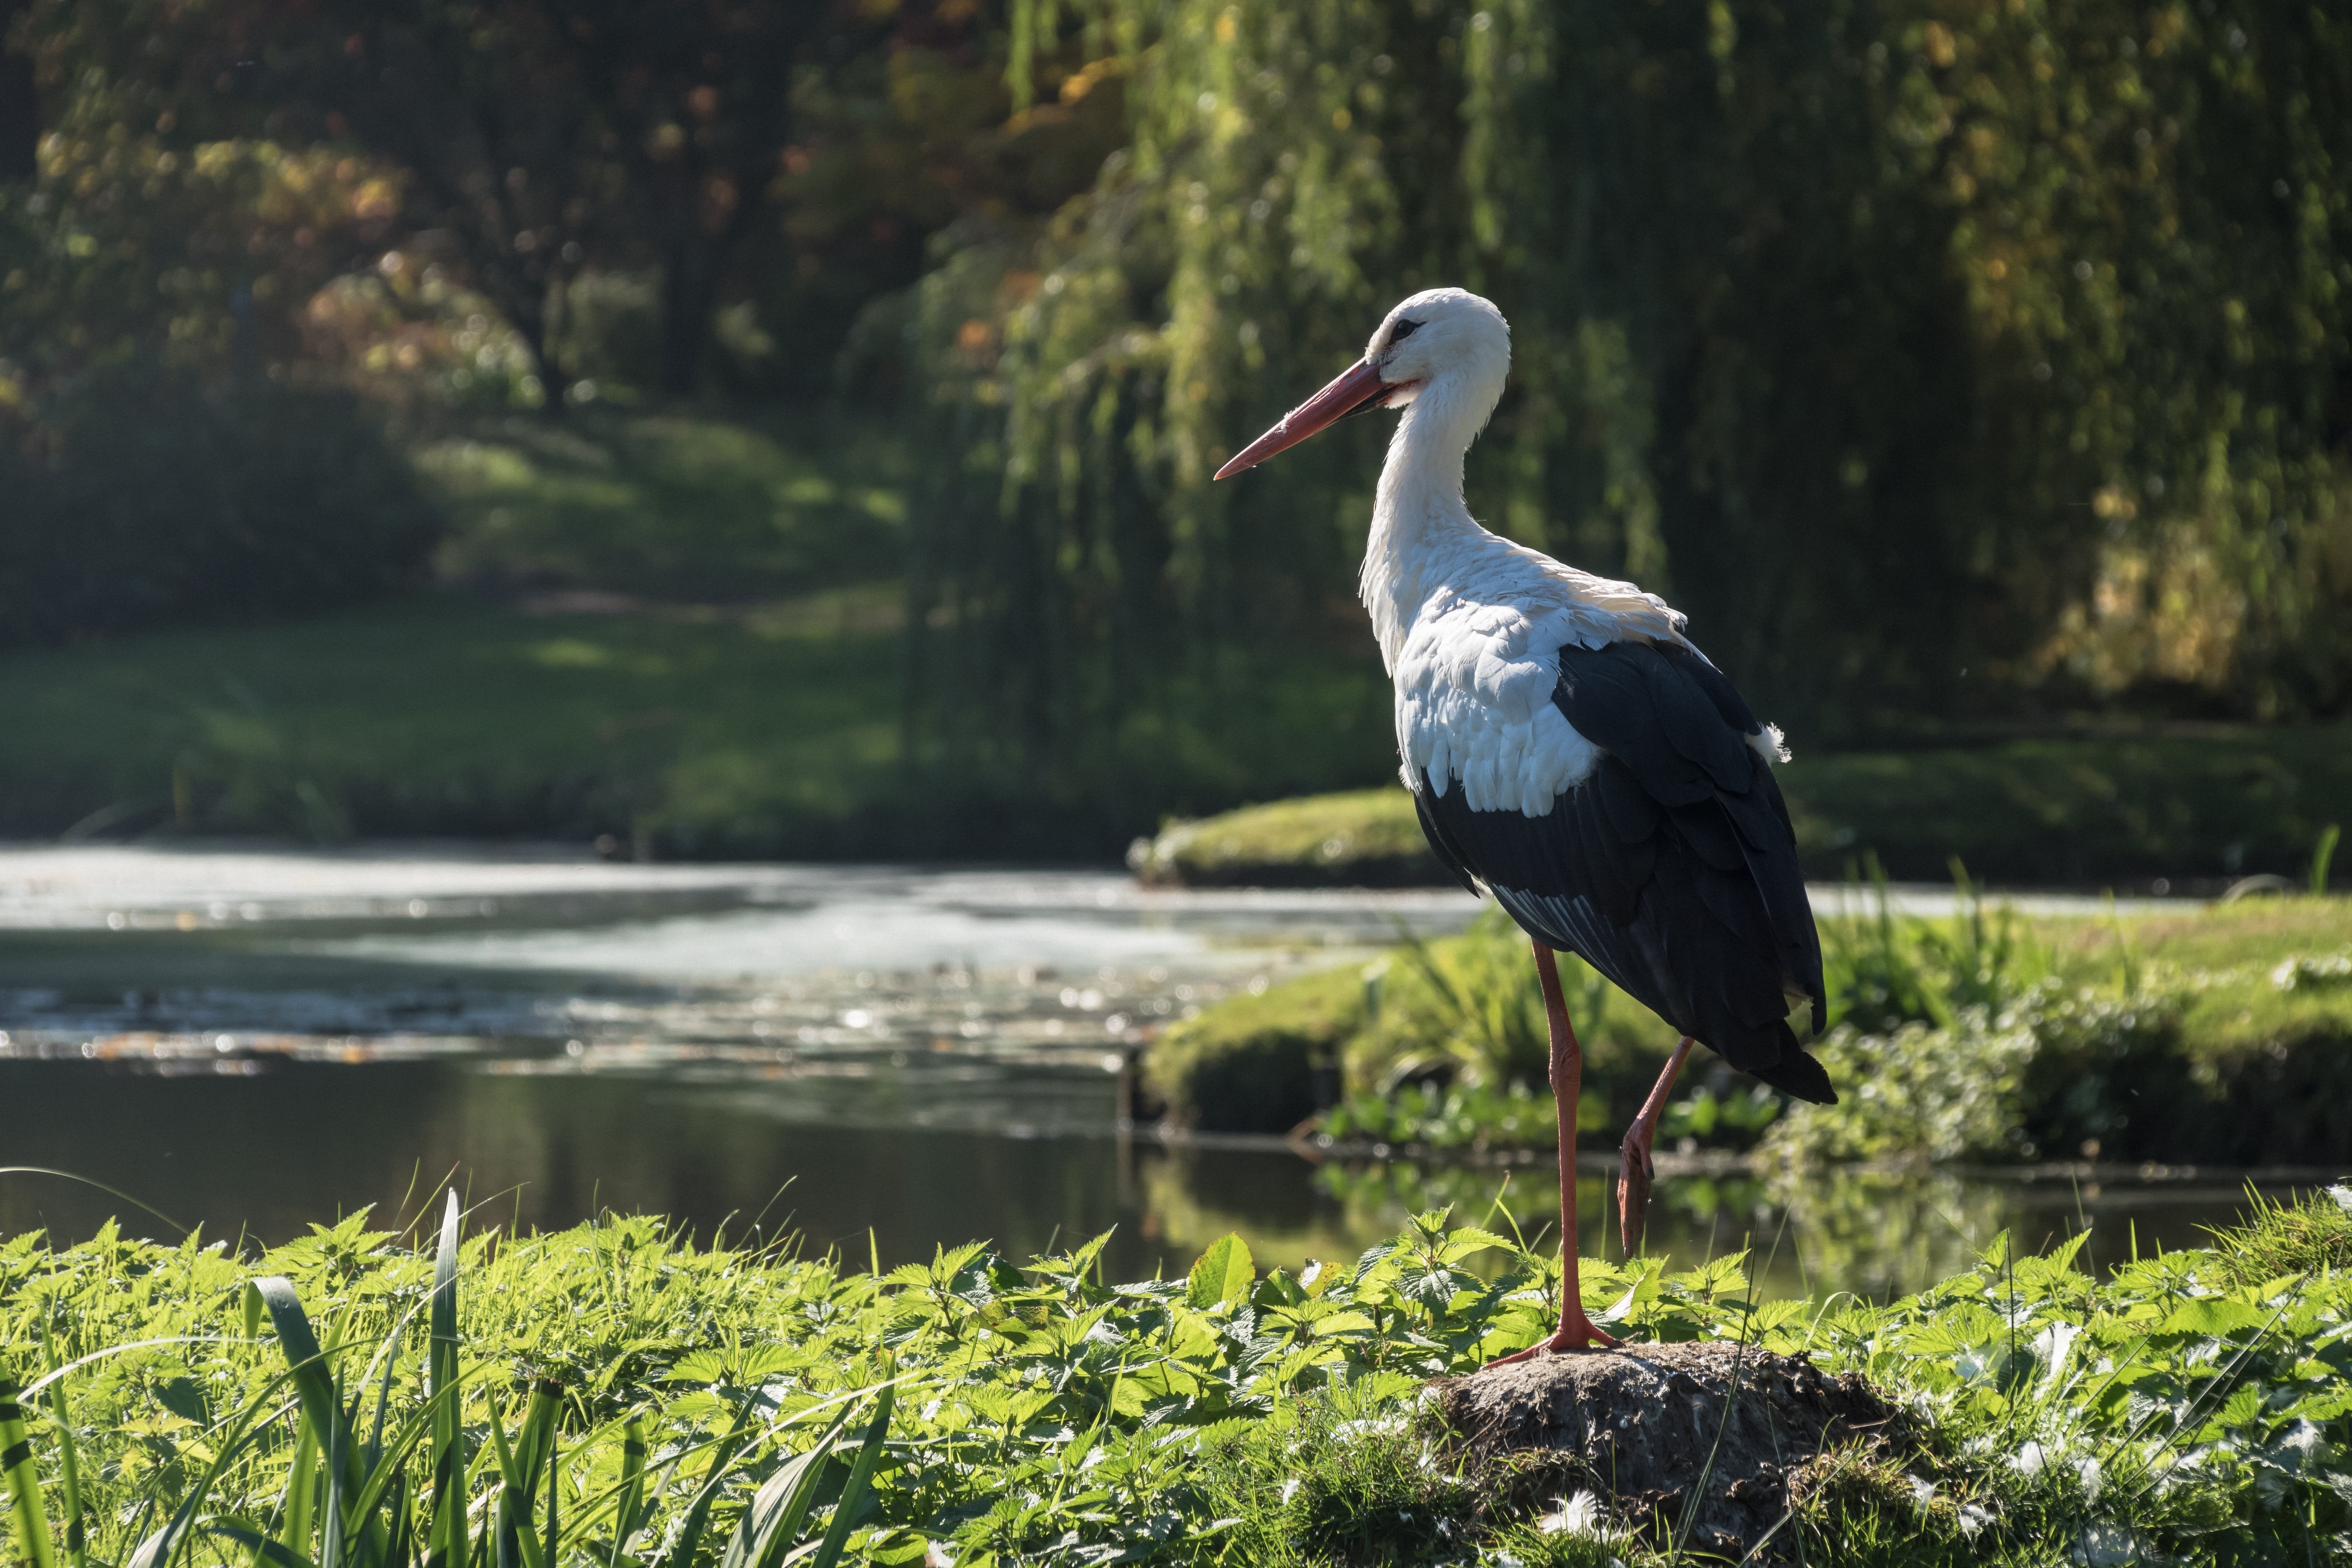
[[1572, 752]]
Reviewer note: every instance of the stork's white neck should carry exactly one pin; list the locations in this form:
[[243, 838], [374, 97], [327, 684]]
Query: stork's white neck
[[1420, 525]]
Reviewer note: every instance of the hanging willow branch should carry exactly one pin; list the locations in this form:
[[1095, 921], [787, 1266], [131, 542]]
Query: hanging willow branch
[[1933, 353]]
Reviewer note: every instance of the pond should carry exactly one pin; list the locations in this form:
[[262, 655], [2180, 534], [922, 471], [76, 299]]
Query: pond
[[876, 1059]]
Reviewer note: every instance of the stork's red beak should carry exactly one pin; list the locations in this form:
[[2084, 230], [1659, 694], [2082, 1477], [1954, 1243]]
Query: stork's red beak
[[1358, 387]]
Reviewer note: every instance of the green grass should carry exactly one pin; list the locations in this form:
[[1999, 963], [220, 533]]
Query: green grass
[[2220, 1034], [682, 505], [767, 728], [452, 716], [2205, 807], [613, 1395]]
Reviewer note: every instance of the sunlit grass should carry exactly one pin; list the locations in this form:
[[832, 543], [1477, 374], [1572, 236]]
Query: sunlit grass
[[2217, 1035], [611, 1396], [673, 505]]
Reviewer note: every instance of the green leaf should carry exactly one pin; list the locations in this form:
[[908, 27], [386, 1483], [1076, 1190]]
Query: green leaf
[[444, 1538], [1224, 1273], [769, 1526], [22, 1480], [2212, 1315], [853, 1493]]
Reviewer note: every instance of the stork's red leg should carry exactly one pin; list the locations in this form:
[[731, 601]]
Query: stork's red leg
[[1634, 1169], [1576, 1332]]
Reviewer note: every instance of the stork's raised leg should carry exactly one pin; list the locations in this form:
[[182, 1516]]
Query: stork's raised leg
[[1636, 1170], [1576, 1332]]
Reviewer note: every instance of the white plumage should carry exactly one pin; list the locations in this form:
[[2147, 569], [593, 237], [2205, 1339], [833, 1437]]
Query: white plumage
[[1471, 625]]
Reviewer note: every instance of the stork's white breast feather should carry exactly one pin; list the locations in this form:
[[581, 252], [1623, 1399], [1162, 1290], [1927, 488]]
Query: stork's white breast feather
[[1478, 663]]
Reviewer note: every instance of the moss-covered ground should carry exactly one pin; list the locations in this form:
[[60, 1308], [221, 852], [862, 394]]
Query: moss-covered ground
[[614, 1394], [2221, 1034]]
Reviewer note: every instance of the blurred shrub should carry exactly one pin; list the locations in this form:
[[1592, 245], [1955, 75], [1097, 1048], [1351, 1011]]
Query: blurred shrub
[[141, 499], [2061, 1073], [613, 330], [1461, 1116], [1884, 970]]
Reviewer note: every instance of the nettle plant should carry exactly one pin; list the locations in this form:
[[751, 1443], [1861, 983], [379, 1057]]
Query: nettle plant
[[615, 1396]]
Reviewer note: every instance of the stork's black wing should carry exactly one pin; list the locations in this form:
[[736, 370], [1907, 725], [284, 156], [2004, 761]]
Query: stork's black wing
[[1670, 869]]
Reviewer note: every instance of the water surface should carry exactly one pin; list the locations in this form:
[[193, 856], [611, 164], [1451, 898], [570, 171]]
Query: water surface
[[877, 1059]]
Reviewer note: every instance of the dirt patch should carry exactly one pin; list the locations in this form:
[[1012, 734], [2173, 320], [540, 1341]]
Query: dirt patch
[[1644, 1429]]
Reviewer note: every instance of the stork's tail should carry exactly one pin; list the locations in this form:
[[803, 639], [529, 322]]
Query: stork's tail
[[1797, 1072]]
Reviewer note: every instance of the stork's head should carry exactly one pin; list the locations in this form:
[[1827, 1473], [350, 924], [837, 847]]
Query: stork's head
[[1446, 343]]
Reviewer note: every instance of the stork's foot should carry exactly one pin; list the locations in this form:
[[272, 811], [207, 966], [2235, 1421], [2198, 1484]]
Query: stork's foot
[[1636, 1172], [1576, 1333]]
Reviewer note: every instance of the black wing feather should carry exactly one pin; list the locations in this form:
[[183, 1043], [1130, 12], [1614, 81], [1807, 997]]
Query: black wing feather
[[1670, 869]]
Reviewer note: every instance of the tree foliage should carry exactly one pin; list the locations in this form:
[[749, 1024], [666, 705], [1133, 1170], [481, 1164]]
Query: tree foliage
[[1941, 357]]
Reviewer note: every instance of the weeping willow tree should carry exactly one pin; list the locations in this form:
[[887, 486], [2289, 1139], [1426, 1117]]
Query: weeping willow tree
[[1941, 357]]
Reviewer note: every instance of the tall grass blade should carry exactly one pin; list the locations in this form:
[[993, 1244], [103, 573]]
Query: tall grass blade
[[375, 1453], [853, 1493], [772, 1524], [554, 1474], [2321, 854], [265, 1550], [698, 1512], [302, 1493], [445, 1536], [314, 1386], [23, 1482], [633, 1487], [68, 1461], [330, 1534], [322, 1411], [519, 1463], [402, 1524]]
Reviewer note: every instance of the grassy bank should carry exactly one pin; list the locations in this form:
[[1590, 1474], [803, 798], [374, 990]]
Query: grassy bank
[[463, 716], [2201, 806], [612, 1395], [2221, 1034], [765, 729]]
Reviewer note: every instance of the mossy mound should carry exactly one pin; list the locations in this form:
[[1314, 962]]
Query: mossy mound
[[1259, 1064], [1703, 1442], [1359, 839]]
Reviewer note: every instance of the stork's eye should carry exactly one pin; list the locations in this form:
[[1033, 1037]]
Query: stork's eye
[[1403, 330]]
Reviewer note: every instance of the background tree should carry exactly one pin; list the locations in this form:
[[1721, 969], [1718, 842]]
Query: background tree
[[20, 117], [697, 96], [1947, 359]]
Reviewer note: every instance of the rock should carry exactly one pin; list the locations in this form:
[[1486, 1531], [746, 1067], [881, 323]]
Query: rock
[[1643, 1426]]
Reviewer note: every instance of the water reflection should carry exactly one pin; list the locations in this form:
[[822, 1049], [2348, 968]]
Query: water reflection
[[878, 1060], [891, 1162]]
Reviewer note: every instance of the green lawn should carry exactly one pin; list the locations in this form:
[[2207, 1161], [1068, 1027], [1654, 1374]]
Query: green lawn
[[677, 506], [685, 626], [767, 729], [453, 716]]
